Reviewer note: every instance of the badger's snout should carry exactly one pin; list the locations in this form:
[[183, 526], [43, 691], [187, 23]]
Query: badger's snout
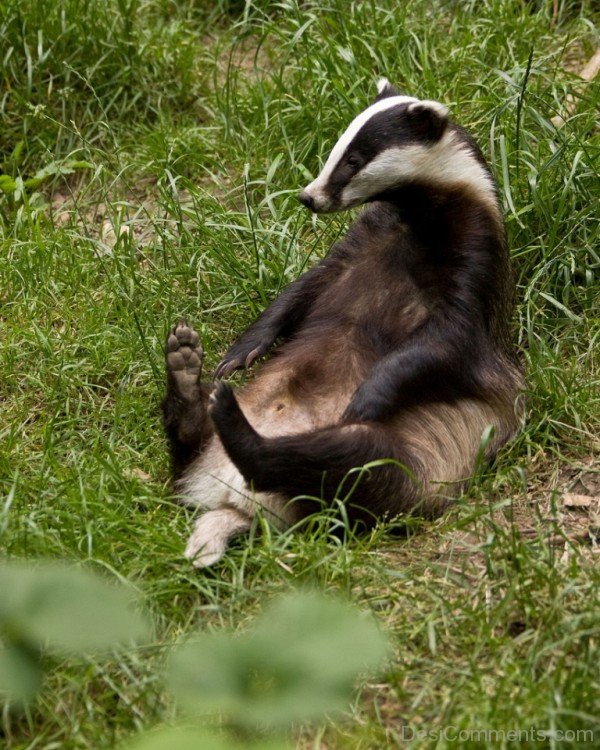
[[315, 199], [307, 200]]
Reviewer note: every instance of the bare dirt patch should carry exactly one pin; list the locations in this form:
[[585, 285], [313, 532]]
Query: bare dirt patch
[[561, 508]]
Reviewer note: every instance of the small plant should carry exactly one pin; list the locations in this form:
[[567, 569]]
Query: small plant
[[22, 193], [18, 187], [297, 663]]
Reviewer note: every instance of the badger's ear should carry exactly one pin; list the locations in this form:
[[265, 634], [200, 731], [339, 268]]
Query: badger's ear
[[428, 118], [385, 89]]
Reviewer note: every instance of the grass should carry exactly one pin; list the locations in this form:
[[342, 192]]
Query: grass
[[199, 124]]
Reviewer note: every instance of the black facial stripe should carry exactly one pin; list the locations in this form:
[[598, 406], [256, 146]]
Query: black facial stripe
[[382, 131]]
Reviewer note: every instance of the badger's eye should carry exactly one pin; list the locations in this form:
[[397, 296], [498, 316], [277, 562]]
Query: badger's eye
[[353, 161]]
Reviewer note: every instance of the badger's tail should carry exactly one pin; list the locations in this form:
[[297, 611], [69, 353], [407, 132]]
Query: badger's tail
[[326, 463]]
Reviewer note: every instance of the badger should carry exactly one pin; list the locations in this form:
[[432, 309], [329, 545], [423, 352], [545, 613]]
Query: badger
[[391, 369]]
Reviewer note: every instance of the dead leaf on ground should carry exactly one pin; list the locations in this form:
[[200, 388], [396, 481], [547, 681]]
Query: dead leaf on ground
[[137, 473], [571, 500]]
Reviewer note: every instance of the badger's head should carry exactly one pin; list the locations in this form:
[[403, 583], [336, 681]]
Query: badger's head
[[395, 141]]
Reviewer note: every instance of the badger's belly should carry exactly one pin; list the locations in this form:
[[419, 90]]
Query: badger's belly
[[274, 407], [307, 384]]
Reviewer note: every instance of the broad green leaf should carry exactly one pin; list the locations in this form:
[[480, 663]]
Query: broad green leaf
[[33, 182], [178, 738], [20, 673], [196, 738], [66, 609], [7, 184], [53, 168], [297, 663], [81, 165]]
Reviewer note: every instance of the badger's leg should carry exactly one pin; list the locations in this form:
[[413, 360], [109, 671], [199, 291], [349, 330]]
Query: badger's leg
[[212, 533], [317, 464], [186, 419]]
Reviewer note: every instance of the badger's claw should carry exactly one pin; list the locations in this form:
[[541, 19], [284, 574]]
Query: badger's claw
[[228, 366], [240, 361]]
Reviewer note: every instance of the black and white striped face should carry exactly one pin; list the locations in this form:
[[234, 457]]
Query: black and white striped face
[[397, 140]]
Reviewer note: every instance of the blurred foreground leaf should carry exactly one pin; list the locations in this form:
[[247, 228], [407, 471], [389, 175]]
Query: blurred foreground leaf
[[20, 673], [297, 663], [193, 738], [63, 610]]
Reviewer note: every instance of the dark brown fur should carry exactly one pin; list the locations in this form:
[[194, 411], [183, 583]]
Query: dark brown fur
[[394, 353], [394, 347]]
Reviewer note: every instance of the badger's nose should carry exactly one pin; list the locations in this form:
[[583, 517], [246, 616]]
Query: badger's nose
[[307, 200]]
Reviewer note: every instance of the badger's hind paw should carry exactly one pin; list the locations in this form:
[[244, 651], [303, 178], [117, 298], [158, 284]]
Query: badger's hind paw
[[222, 399], [184, 358], [212, 533], [230, 421]]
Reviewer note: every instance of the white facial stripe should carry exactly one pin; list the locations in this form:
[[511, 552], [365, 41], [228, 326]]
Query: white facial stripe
[[316, 187], [447, 163]]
